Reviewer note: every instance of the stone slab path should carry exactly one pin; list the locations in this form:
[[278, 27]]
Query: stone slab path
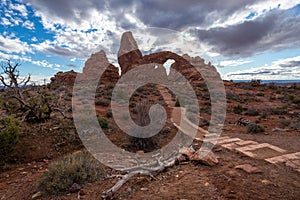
[[253, 149]]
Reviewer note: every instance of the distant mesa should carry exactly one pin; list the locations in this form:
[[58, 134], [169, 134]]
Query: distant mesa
[[129, 57]]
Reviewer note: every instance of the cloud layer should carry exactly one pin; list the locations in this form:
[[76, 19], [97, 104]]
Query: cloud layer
[[280, 70]]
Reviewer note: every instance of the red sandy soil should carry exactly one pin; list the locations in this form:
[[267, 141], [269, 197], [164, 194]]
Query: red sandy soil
[[42, 144]]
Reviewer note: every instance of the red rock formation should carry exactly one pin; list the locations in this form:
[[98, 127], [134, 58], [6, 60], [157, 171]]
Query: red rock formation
[[93, 66], [129, 53], [64, 78], [181, 65], [130, 57], [98, 62]]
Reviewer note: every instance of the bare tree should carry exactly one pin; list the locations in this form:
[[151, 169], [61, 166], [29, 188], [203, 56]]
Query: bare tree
[[35, 103]]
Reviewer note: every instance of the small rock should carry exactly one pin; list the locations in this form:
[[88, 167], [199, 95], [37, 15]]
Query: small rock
[[248, 168], [144, 189], [187, 152], [205, 157], [182, 158], [266, 182], [75, 188], [206, 184], [36, 195]]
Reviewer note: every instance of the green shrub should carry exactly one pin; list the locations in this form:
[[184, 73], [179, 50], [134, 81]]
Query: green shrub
[[9, 136], [255, 128], [132, 104], [260, 94], [109, 114], [238, 109], [255, 82], [295, 125], [278, 110], [103, 122], [80, 168], [296, 100], [102, 102], [285, 122], [177, 104], [252, 112]]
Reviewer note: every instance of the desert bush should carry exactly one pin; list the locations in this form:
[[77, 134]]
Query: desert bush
[[295, 125], [100, 102], [252, 112], [177, 104], [255, 128], [232, 96], [255, 82], [80, 168], [103, 122], [260, 94], [285, 122], [165, 132], [109, 114], [278, 110], [296, 100], [272, 86], [132, 104], [238, 109], [160, 98], [9, 136], [156, 93]]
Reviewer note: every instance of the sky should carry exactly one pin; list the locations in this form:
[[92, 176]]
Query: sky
[[244, 39]]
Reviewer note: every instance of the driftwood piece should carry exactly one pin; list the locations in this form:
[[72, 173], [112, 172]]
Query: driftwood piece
[[150, 169]]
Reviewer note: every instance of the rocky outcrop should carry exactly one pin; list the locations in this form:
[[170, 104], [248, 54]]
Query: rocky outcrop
[[98, 62], [130, 56], [129, 53], [180, 65], [93, 66], [65, 78]]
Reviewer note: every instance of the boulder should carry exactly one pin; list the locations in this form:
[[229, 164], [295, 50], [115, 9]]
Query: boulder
[[205, 157]]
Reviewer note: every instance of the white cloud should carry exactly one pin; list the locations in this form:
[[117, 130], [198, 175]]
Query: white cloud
[[234, 63], [259, 8], [28, 24], [19, 58], [34, 39], [283, 69], [10, 44], [5, 22], [21, 8]]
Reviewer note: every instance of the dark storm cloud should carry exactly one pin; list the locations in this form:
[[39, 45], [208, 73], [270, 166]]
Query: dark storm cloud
[[274, 31], [251, 73], [174, 14], [293, 63], [181, 14]]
